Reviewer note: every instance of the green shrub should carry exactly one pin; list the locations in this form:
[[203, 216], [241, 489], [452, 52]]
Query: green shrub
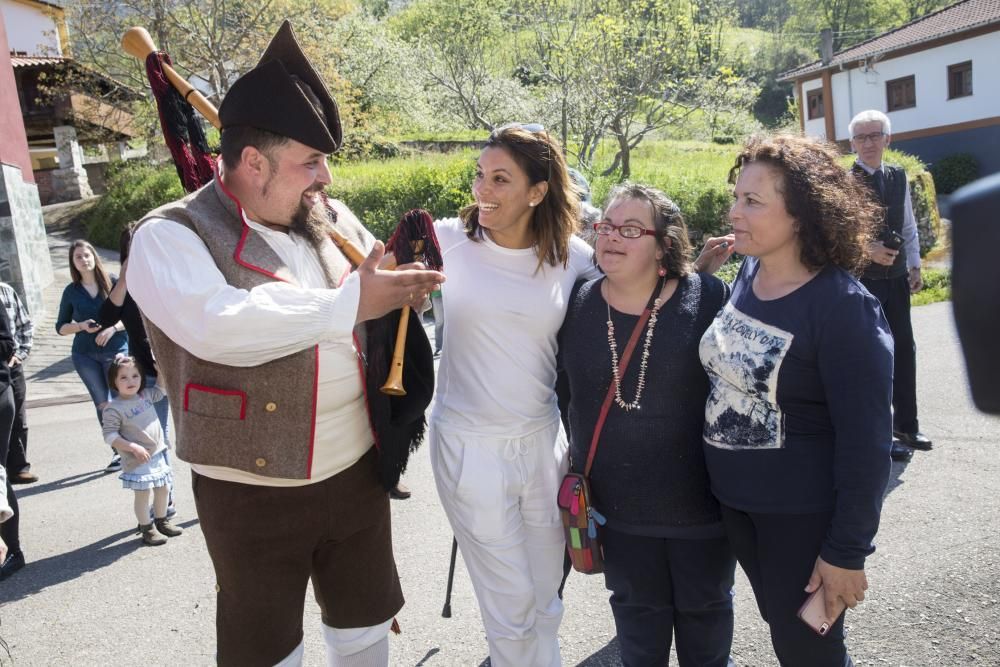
[[727, 272], [911, 163], [924, 199], [134, 189], [379, 192], [954, 171], [693, 174]]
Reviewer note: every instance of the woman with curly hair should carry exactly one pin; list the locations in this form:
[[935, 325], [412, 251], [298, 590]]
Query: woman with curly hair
[[798, 421]]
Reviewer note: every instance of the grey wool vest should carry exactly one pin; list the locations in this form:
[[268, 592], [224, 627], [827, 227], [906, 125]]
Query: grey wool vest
[[258, 419]]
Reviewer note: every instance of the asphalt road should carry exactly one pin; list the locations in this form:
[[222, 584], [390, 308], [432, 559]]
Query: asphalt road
[[91, 595]]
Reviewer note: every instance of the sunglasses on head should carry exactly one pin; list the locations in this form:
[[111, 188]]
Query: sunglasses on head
[[533, 128]]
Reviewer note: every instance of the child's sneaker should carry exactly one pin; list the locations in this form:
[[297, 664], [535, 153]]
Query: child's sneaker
[[115, 465], [150, 536], [167, 528]]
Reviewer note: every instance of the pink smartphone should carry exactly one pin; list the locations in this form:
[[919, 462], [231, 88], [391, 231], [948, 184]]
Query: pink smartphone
[[813, 613]]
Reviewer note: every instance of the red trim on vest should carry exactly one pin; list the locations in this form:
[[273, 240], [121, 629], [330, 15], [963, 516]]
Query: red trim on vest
[[220, 392], [243, 237], [347, 272], [312, 431], [364, 388]]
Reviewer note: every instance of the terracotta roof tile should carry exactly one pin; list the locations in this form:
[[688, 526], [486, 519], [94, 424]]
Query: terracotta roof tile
[[31, 61], [37, 61], [957, 18]]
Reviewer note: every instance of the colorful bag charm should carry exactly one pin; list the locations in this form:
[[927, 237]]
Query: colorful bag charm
[[580, 521]]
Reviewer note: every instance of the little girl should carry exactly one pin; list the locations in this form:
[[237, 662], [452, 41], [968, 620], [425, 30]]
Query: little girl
[[132, 427]]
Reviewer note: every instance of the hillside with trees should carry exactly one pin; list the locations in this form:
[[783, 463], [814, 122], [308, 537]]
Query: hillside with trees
[[603, 76]]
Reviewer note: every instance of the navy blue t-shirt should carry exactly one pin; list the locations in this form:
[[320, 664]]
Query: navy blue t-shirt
[[798, 419], [77, 305]]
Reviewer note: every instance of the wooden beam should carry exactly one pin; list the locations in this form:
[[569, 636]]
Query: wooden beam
[[831, 127]]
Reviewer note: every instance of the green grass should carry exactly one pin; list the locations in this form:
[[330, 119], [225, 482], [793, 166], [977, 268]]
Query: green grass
[[937, 287], [448, 135]]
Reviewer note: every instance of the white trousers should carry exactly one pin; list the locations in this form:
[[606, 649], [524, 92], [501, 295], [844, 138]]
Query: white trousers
[[500, 497]]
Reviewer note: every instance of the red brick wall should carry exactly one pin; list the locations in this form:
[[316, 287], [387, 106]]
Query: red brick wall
[[13, 142]]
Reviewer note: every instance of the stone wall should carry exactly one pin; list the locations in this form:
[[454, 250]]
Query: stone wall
[[96, 176], [24, 251]]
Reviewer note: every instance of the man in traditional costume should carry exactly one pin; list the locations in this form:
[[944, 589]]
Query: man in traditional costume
[[254, 317]]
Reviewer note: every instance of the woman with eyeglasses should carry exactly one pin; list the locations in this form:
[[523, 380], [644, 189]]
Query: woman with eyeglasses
[[497, 448], [666, 559]]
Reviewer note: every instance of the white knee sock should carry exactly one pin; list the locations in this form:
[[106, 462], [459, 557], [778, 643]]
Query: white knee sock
[[357, 647]]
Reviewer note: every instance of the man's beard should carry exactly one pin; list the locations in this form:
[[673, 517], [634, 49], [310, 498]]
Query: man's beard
[[310, 221], [300, 219]]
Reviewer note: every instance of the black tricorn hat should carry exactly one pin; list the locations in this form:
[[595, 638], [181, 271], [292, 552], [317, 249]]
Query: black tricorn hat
[[268, 97]]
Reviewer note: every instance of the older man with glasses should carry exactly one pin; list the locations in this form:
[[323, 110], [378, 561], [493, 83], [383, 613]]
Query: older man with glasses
[[894, 272]]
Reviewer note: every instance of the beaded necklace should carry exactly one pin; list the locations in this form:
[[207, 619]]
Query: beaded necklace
[[654, 307]]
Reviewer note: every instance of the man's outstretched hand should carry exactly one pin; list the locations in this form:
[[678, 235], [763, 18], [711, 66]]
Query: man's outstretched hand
[[385, 291]]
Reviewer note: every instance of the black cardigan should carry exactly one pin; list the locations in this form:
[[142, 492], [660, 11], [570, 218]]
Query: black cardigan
[[649, 475]]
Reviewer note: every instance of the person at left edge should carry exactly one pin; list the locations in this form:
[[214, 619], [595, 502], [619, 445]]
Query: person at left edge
[[11, 556], [18, 466], [252, 314]]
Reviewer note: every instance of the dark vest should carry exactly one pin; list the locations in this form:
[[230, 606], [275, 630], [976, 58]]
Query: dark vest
[[893, 200]]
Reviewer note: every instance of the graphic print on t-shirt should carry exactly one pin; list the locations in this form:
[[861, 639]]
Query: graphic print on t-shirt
[[742, 356]]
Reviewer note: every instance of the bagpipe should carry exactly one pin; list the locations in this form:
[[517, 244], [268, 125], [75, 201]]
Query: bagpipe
[[397, 415]]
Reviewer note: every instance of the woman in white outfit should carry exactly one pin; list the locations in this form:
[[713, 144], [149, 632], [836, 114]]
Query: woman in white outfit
[[497, 448]]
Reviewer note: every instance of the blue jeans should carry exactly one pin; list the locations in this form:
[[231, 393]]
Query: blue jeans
[[438, 304], [92, 367], [162, 410]]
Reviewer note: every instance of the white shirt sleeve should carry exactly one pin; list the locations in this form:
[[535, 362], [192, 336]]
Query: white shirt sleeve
[[175, 282], [910, 239], [582, 259], [5, 510]]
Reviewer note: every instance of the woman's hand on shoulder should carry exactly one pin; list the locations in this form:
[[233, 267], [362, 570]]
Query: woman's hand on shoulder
[[717, 250], [840, 586]]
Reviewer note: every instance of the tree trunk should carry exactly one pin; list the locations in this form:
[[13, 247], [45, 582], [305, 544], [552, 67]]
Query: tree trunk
[[563, 125], [625, 153], [160, 28]]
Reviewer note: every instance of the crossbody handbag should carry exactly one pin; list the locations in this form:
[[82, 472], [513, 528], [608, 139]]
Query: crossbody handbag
[[579, 518]]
